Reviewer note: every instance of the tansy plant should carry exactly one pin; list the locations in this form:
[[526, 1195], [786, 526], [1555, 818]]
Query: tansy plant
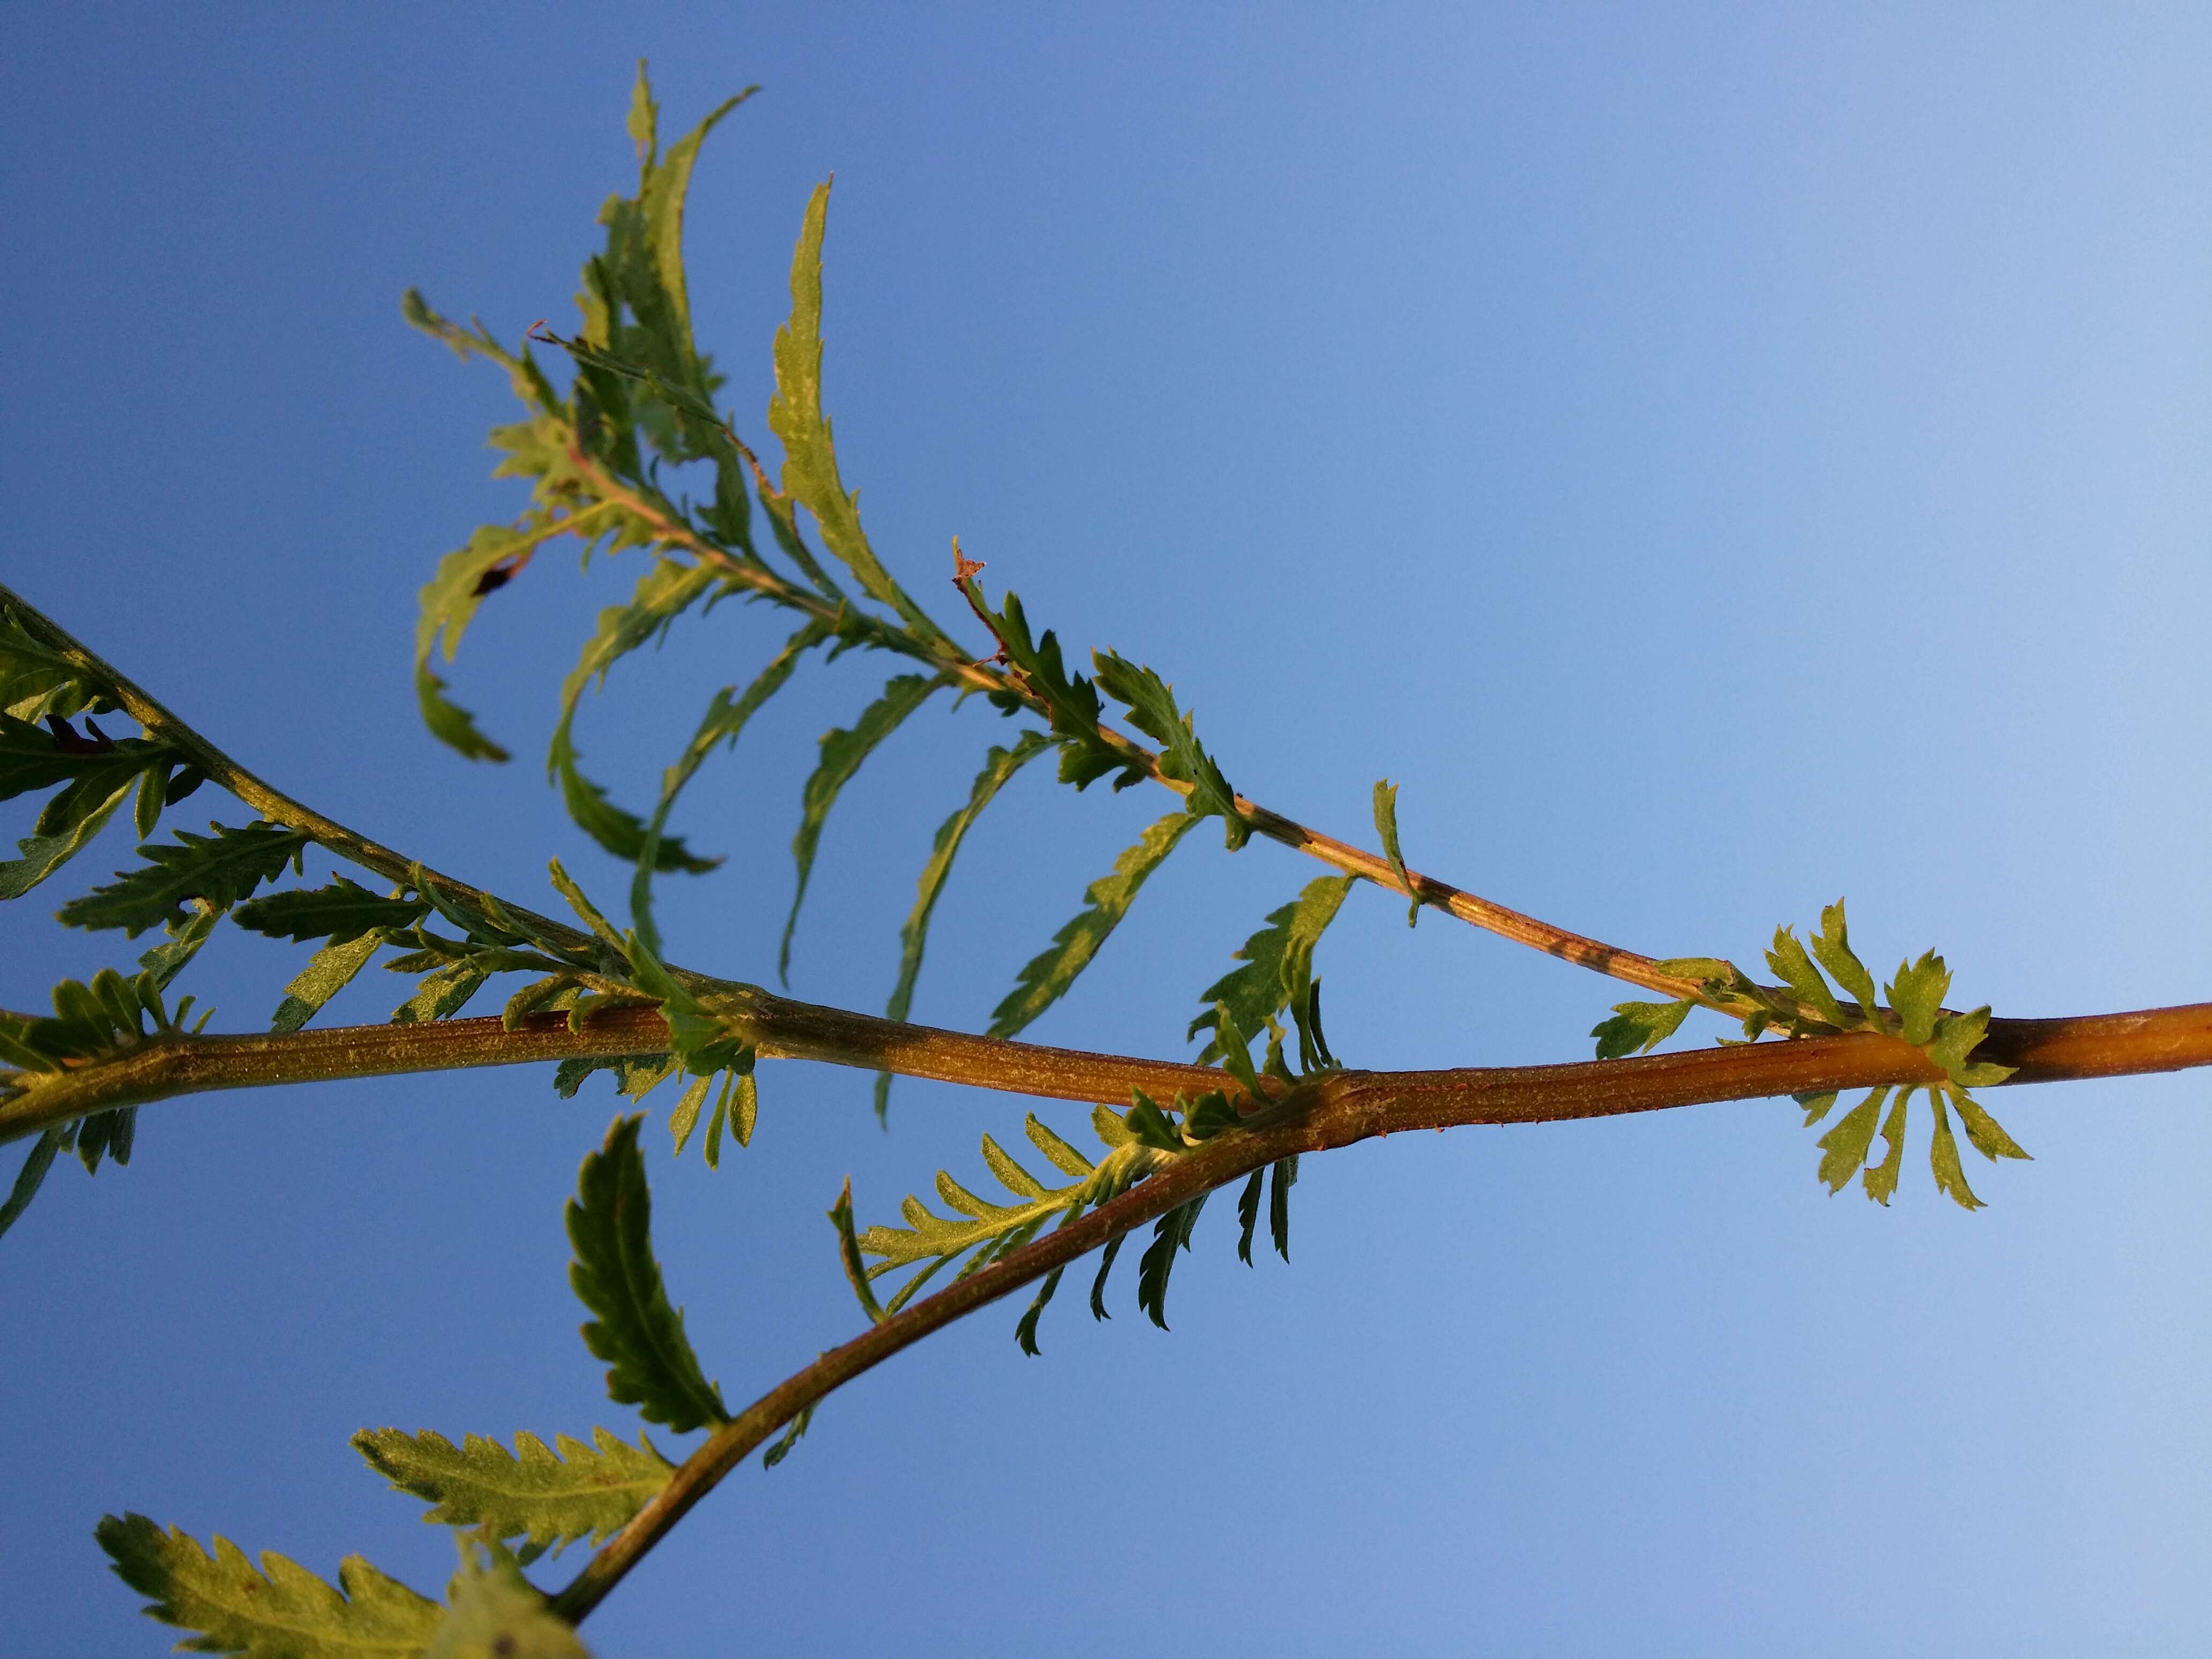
[[628, 452]]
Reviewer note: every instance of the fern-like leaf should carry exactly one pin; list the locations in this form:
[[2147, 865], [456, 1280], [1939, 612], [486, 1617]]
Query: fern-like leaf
[[1277, 969], [811, 477], [221, 868], [280, 1611], [637, 1331], [1046, 976], [1152, 711], [844, 750], [1000, 766], [548, 1497]]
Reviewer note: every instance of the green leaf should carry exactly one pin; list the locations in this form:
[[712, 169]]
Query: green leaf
[[281, 1612], [1248, 1214], [1917, 994], [1048, 977], [1943, 1158], [449, 601], [1386, 826], [1071, 703], [1637, 1027], [30, 1177], [1985, 1131], [636, 1075], [328, 972], [1817, 1104], [1152, 711], [450, 723], [1847, 1143], [441, 994], [1000, 766], [1278, 963], [1957, 1035], [843, 753], [550, 1497], [1171, 1233], [726, 718], [1880, 1179], [91, 764], [662, 594], [1285, 1172], [43, 855], [1794, 970], [790, 1437], [848, 1252], [638, 1333], [338, 911], [810, 458], [221, 868], [1833, 949], [493, 1613]]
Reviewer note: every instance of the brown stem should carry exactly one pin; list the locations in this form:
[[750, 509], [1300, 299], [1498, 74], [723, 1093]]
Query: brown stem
[[1341, 1109]]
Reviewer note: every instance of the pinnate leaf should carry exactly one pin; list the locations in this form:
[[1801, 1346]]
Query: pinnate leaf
[[1638, 1027], [794, 415], [221, 868], [549, 1497], [637, 1331], [1152, 711], [280, 1611], [1278, 965], [843, 750]]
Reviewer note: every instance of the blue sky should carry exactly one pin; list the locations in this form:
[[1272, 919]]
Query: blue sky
[[1715, 459]]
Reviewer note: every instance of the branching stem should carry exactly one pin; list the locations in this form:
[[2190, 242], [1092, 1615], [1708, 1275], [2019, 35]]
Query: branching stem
[[1339, 1109]]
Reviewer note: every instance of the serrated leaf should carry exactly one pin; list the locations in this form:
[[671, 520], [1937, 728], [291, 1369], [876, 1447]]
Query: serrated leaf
[[1985, 1131], [493, 1613], [662, 594], [441, 994], [1277, 964], [1943, 1160], [221, 868], [637, 1331], [794, 415], [1152, 711], [29, 1178], [448, 603], [1816, 1104], [41, 855], [1917, 994], [1248, 1214], [1957, 1035], [1171, 1233], [1637, 1027], [450, 723], [726, 719], [1795, 968], [1283, 1175], [338, 911], [280, 1612], [329, 971], [844, 750], [1000, 766], [1071, 703], [636, 1075], [1832, 950], [551, 1497], [1386, 826], [1880, 1179], [1046, 976], [1845, 1146]]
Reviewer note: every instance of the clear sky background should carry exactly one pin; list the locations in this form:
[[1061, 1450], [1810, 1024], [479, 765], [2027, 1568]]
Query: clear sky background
[[1717, 458]]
